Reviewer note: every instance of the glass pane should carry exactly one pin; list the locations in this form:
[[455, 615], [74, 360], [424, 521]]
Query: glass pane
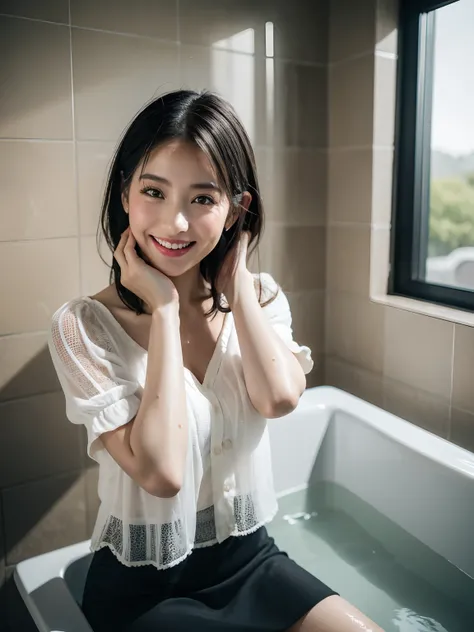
[[450, 256]]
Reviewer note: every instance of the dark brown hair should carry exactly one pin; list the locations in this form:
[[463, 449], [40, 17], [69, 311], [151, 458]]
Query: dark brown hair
[[211, 123]]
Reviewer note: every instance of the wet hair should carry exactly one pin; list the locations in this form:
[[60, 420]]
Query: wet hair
[[208, 121]]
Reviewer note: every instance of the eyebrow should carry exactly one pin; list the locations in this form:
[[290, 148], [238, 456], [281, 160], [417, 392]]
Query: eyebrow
[[198, 185]]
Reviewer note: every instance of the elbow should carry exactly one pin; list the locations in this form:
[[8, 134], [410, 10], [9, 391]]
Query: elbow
[[279, 407], [162, 486]]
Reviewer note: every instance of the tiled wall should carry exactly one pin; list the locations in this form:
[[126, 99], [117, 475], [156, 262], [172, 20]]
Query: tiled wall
[[72, 76], [416, 366]]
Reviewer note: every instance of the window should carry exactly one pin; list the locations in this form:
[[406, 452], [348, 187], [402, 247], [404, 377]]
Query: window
[[433, 237]]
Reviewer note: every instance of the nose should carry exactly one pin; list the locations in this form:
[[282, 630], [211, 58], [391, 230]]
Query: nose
[[175, 221]]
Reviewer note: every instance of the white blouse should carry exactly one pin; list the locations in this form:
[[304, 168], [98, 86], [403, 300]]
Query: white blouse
[[228, 484]]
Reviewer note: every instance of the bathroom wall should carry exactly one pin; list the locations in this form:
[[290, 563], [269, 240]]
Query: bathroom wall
[[73, 74], [414, 365]]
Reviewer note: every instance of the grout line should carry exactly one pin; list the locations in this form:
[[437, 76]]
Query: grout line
[[24, 17], [35, 240], [76, 180], [340, 62], [450, 413], [6, 139], [28, 397], [386, 55], [178, 20], [42, 479], [348, 148], [25, 334]]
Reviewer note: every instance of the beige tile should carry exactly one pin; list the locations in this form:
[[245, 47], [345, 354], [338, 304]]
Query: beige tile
[[114, 76], [153, 18], [382, 183], [92, 497], [355, 331], [384, 101], [428, 410], [93, 162], [463, 392], [94, 272], [230, 24], [386, 32], [307, 310], [300, 29], [225, 72], [261, 258], [462, 429], [348, 259], [351, 98], [35, 75], [36, 439], [44, 515], [294, 186], [25, 367], [359, 382], [298, 257], [379, 261], [49, 10], [37, 181], [418, 351], [38, 288], [300, 106], [350, 184], [351, 29], [316, 376]]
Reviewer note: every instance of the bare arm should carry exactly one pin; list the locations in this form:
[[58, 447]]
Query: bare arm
[[152, 447], [273, 376]]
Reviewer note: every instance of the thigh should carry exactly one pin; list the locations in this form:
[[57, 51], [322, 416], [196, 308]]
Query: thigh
[[335, 614], [115, 594]]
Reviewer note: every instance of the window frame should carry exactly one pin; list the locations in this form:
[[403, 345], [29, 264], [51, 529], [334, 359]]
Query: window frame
[[410, 220]]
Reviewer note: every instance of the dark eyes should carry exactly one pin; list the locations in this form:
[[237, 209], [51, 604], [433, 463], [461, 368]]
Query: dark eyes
[[205, 200]]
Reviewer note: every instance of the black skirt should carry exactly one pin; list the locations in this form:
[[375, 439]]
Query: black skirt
[[244, 584]]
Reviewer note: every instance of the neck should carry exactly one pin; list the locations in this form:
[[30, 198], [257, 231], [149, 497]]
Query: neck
[[191, 287]]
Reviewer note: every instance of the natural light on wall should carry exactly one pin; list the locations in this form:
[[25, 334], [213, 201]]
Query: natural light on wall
[[233, 74], [269, 78]]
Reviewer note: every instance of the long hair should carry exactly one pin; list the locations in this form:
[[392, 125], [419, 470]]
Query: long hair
[[211, 123]]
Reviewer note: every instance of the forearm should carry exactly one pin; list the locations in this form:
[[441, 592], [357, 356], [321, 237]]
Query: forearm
[[159, 435], [273, 376]]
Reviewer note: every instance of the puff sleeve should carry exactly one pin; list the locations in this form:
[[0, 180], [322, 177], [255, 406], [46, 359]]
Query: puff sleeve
[[279, 314], [98, 386]]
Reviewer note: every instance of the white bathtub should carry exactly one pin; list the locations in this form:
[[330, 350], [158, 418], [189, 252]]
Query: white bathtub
[[419, 481]]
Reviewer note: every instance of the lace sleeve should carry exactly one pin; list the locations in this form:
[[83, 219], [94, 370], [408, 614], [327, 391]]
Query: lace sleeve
[[279, 314], [98, 387]]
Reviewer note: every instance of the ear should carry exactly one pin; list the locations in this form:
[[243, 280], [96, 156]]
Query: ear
[[124, 195], [241, 205], [125, 201]]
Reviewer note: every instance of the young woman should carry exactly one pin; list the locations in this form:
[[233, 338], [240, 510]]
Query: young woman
[[174, 369]]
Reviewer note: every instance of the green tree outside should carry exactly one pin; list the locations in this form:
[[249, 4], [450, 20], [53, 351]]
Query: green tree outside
[[451, 214]]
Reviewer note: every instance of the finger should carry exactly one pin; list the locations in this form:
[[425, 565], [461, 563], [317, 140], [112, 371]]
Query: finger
[[129, 248], [119, 253]]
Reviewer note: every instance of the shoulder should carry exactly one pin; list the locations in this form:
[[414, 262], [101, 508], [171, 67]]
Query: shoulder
[[77, 321], [266, 287]]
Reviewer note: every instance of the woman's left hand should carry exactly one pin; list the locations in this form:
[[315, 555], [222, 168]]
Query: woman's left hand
[[234, 269]]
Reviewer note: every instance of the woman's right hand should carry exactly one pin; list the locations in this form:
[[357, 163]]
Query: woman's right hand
[[148, 283]]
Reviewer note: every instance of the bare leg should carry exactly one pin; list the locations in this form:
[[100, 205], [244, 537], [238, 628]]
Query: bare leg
[[334, 614]]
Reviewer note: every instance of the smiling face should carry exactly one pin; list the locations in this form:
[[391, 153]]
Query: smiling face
[[176, 208]]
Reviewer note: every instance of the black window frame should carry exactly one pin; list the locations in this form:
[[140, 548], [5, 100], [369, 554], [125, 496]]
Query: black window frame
[[410, 219]]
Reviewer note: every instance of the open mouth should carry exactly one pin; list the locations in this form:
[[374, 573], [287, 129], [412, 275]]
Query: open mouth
[[172, 249]]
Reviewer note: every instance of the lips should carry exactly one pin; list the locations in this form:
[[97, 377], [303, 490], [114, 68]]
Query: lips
[[173, 252]]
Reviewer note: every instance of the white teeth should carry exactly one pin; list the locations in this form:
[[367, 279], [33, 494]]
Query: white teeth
[[167, 244]]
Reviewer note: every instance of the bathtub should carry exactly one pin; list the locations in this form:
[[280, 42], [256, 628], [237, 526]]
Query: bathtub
[[422, 483]]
